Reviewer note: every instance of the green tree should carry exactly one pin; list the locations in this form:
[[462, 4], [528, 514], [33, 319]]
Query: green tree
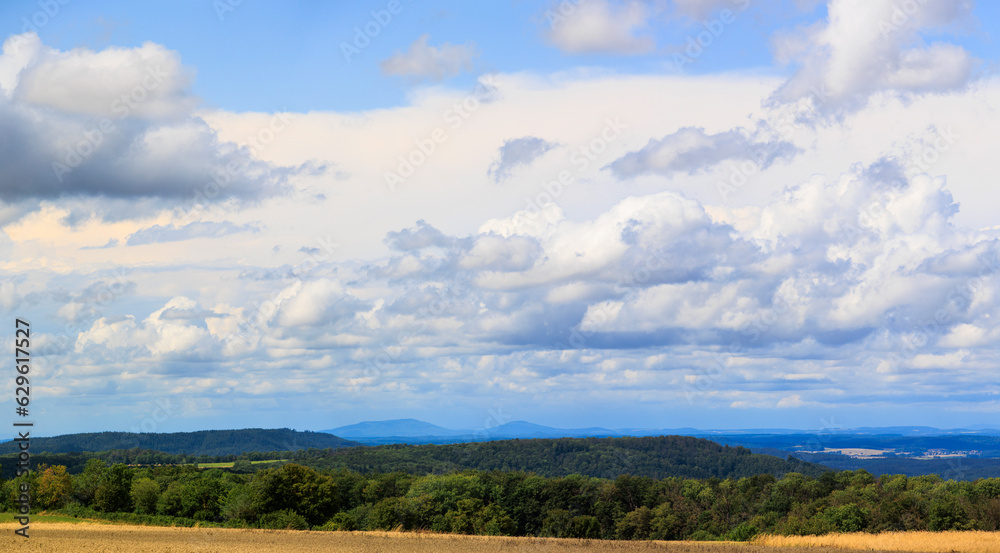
[[85, 484], [743, 532], [55, 487], [145, 495], [390, 513], [496, 522], [585, 527], [636, 525], [239, 505], [113, 491], [285, 519], [847, 518], [946, 513], [171, 502], [201, 498], [557, 524], [297, 488]]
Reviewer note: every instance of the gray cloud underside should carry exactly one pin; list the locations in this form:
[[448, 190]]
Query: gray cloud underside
[[515, 153], [172, 233], [691, 150]]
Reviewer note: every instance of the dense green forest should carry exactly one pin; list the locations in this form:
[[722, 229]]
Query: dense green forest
[[205, 442], [512, 503], [655, 457]]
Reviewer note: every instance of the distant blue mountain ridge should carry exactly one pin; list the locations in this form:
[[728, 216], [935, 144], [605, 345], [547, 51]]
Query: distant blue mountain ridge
[[416, 431]]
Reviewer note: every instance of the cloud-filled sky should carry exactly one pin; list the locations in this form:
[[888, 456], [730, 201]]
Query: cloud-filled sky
[[619, 213]]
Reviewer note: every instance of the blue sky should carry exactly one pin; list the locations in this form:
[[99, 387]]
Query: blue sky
[[663, 213]]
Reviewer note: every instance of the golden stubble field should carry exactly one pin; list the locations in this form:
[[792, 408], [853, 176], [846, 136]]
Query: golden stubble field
[[932, 542], [108, 538]]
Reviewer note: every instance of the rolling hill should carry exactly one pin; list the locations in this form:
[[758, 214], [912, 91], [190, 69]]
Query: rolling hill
[[653, 456], [402, 428], [205, 442]]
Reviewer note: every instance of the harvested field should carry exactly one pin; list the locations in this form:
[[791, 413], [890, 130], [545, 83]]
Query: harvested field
[[106, 538], [943, 542]]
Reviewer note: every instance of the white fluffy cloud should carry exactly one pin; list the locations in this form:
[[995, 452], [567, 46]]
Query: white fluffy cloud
[[600, 26], [116, 124], [867, 47], [148, 82], [154, 338]]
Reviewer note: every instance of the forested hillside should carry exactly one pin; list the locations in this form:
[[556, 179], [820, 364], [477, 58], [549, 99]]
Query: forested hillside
[[205, 442], [655, 457]]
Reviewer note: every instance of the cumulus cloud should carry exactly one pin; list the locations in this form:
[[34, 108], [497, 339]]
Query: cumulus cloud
[[691, 150], [423, 61], [600, 26], [147, 82], [88, 302], [172, 233], [517, 152], [419, 237], [497, 253], [869, 47], [856, 261], [317, 302], [116, 124], [832, 276], [153, 338]]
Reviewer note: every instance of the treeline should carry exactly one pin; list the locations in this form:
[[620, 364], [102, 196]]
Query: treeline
[[515, 503], [655, 457], [205, 442], [76, 462]]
